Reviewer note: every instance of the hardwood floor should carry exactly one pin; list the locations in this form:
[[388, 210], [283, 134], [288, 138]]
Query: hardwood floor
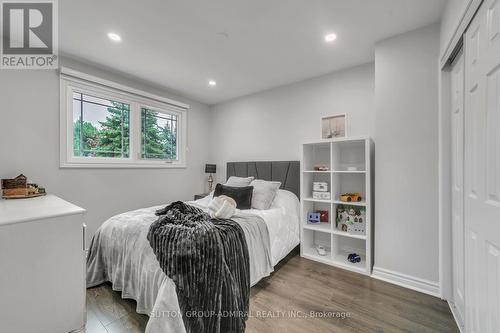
[[298, 288]]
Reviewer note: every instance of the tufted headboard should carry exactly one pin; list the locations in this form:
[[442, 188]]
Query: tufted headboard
[[286, 172]]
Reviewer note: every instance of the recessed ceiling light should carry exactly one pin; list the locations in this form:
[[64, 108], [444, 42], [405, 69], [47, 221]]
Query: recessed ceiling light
[[330, 38], [212, 83], [114, 37]]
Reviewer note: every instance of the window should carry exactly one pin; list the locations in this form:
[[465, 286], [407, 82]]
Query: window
[[159, 135], [101, 127], [104, 124]]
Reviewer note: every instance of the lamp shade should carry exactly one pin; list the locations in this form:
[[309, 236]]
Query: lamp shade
[[210, 168]]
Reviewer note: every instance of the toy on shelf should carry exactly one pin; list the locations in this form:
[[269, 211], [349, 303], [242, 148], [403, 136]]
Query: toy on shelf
[[318, 216], [323, 216], [313, 218], [351, 219], [320, 167], [351, 197], [321, 250], [354, 258]]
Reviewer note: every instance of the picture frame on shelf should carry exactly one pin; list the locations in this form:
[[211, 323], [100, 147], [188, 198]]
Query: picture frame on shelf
[[334, 126]]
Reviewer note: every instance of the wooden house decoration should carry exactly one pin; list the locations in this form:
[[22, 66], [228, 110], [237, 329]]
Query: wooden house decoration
[[351, 219], [19, 188], [19, 182]]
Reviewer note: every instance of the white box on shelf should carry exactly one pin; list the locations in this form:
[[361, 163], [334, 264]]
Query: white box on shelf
[[322, 195], [320, 186]]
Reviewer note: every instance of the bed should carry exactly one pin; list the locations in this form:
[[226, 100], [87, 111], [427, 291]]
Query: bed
[[122, 255]]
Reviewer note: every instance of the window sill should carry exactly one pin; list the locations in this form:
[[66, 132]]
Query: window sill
[[145, 165]]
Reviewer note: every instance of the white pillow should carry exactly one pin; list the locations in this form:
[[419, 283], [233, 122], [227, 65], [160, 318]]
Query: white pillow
[[239, 181], [263, 193]]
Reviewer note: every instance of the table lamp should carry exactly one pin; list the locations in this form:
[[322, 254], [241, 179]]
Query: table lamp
[[210, 169]]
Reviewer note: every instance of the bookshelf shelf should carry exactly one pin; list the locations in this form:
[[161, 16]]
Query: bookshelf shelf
[[339, 155]]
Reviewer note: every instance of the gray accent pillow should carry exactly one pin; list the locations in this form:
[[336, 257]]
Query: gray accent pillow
[[239, 181], [264, 193]]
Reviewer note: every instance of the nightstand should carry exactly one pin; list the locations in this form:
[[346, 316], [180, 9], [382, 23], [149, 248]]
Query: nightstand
[[200, 196]]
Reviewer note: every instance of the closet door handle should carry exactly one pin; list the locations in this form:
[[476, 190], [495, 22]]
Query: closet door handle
[[84, 237]]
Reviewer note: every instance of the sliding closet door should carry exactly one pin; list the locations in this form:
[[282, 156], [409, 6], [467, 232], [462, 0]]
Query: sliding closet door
[[457, 190], [482, 170]]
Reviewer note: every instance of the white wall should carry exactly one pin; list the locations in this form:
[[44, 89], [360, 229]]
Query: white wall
[[406, 160], [29, 144], [271, 125]]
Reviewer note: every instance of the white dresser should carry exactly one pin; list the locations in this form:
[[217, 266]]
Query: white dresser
[[42, 266]]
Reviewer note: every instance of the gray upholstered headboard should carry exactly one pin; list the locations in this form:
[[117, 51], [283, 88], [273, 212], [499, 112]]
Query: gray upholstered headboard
[[286, 172]]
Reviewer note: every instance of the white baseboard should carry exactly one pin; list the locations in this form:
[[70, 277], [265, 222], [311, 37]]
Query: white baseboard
[[407, 281], [454, 312], [80, 330]]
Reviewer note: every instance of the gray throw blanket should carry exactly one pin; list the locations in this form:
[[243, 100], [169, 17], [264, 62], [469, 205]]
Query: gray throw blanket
[[208, 261]]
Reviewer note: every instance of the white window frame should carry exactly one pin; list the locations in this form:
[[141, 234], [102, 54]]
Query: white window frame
[[72, 81]]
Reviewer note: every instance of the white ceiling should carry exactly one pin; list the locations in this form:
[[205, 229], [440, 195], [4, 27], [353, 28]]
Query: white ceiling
[[245, 45]]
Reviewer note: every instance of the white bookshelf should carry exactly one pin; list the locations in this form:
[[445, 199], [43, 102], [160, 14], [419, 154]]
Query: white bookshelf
[[339, 155]]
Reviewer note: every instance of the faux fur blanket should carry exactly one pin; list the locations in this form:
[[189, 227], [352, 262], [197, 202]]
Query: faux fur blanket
[[208, 261]]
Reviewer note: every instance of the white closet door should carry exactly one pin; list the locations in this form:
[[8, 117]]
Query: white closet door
[[482, 170], [457, 190]]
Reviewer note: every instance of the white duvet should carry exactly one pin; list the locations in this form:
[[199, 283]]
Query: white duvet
[[148, 285]]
